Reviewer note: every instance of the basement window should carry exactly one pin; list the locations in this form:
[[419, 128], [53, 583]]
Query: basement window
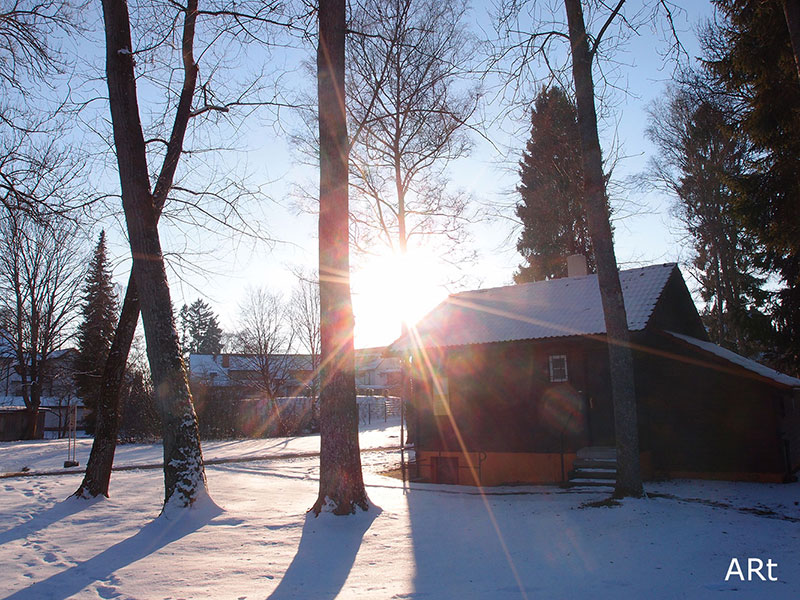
[[558, 368]]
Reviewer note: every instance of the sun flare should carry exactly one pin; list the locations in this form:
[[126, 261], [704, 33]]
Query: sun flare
[[390, 289]]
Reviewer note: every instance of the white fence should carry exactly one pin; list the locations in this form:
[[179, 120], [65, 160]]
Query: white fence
[[377, 408], [297, 410]]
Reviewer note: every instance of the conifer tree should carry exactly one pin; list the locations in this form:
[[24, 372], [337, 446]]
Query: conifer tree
[[551, 206], [96, 330], [701, 156], [200, 330], [748, 51]]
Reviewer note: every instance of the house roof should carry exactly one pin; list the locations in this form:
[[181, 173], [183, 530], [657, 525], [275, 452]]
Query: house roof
[[206, 365], [740, 361], [44, 401], [6, 349], [544, 309], [57, 354]]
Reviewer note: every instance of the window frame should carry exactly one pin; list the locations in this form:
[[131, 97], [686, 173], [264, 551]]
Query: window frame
[[550, 361]]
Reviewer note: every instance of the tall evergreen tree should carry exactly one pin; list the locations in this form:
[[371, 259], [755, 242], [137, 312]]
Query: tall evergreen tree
[[96, 330], [551, 207], [200, 330], [748, 52], [700, 157]]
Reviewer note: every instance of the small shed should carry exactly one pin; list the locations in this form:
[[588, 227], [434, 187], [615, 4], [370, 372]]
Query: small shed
[[510, 384], [15, 422]]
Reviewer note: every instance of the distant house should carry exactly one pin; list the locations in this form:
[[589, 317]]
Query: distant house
[[57, 372], [234, 393], [377, 374], [7, 370], [253, 375], [511, 383], [58, 396], [290, 374]]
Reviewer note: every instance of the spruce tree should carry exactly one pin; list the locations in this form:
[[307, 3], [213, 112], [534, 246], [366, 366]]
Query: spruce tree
[[200, 330], [96, 330], [551, 207], [748, 51], [701, 155]]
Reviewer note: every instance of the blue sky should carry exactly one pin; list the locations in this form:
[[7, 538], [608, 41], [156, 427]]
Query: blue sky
[[643, 236]]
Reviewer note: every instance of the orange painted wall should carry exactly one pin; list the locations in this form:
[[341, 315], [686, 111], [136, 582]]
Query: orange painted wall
[[501, 468], [498, 468]]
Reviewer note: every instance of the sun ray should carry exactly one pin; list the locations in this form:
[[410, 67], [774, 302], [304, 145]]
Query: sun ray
[[421, 351]]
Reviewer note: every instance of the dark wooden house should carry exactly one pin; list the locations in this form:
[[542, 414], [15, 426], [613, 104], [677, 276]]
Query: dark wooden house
[[509, 384]]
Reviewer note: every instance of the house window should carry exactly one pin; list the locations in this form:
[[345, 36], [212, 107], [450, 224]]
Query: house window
[[558, 368]]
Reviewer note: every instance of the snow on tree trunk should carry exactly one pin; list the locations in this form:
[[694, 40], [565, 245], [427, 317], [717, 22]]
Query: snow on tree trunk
[[184, 474], [629, 479], [341, 485]]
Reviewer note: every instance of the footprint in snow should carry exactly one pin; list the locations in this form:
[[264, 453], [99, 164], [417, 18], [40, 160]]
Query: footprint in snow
[[107, 592]]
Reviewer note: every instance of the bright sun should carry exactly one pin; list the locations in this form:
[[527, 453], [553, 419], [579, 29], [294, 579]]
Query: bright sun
[[390, 289]]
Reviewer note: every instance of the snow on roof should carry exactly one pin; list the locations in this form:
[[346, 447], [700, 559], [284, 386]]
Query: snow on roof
[[204, 364], [741, 361], [543, 309], [45, 401], [208, 364], [6, 349]]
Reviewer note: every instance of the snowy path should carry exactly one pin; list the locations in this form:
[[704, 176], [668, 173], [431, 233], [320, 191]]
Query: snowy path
[[158, 465], [424, 542], [40, 456]]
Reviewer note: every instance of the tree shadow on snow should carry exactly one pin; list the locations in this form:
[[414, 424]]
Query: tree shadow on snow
[[153, 536], [325, 556], [45, 518]]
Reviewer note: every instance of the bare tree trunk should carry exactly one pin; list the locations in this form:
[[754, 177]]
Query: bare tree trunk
[[341, 482], [184, 474], [101, 459], [791, 10], [98, 469], [35, 397], [629, 479]]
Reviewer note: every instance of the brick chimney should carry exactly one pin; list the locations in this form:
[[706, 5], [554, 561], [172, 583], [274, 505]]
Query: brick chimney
[[576, 266]]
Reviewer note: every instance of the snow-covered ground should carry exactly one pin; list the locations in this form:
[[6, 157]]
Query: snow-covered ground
[[419, 541], [49, 455]]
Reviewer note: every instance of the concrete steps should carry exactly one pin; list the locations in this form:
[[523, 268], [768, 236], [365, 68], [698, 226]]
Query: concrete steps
[[595, 468]]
